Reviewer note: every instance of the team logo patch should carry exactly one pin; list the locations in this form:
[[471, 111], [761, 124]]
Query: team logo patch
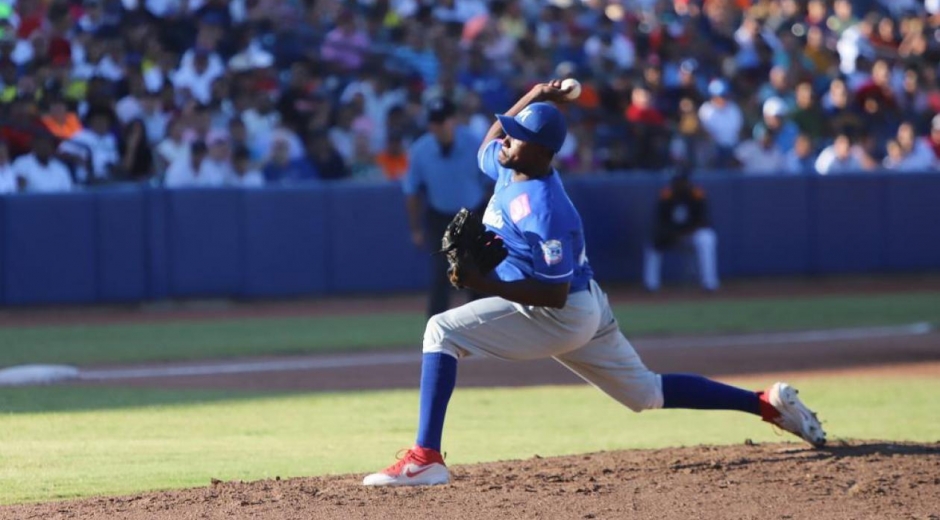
[[551, 251], [519, 207]]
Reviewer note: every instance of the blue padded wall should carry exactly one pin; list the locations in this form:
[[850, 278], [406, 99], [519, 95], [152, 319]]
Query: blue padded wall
[[205, 246], [722, 196], [370, 243], [136, 243], [616, 213], [122, 244], [157, 259], [286, 242], [913, 220], [773, 218], [50, 249], [849, 224]]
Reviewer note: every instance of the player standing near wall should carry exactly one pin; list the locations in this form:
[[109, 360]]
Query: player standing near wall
[[681, 219], [545, 303]]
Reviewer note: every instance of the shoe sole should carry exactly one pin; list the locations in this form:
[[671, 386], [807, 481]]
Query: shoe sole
[[435, 476], [786, 399]]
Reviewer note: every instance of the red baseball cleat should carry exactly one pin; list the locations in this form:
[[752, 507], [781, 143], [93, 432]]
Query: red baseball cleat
[[419, 467]]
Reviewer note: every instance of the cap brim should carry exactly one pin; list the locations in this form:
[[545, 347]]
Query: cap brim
[[514, 129]]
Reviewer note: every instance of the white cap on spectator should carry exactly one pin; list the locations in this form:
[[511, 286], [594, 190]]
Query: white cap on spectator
[[775, 107]]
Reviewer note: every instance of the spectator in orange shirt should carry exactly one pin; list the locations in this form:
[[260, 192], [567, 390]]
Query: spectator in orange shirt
[[60, 121], [393, 160]]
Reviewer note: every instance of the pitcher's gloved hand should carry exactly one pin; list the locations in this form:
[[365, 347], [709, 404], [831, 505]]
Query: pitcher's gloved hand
[[469, 245]]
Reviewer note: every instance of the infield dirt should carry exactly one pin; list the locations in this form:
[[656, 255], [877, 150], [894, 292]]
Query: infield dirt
[[868, 480]]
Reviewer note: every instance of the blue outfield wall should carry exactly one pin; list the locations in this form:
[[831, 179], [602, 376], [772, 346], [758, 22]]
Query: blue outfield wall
[[131, 243]]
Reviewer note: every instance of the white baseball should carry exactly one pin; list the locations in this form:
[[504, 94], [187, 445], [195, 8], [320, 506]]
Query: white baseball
[[575, 87]]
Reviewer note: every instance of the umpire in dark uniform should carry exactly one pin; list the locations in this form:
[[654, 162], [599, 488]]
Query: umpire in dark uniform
[[442, 177]]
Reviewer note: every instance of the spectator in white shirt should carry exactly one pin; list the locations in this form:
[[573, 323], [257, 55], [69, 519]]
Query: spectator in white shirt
[[155, 119], [130, 107], [174, 146], [94, 148], [40, 172], [8, 183], [723, 120], [842, 156], [760, 154], [191, 171], [244, 173], [195, 76], [218, 162]]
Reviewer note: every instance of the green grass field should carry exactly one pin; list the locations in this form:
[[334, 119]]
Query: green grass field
[[127, 343], [100, 442], [65, 442]]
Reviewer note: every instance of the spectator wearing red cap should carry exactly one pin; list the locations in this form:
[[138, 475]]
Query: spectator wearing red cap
[[648, 126]]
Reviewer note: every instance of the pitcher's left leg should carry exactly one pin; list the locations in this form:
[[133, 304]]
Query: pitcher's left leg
[[490, 327]]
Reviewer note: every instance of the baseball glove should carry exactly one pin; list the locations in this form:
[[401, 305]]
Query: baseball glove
[[467, 241]]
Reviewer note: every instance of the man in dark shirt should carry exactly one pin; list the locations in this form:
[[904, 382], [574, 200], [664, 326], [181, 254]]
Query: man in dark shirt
[[681, 219]]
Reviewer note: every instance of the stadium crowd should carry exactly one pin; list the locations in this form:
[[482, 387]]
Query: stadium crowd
[[253, 92]]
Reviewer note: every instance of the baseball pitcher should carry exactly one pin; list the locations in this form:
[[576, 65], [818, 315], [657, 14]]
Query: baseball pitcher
[[544, 301]]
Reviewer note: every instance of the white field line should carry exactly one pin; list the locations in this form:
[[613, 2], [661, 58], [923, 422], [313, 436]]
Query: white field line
[[783, 338], [368, 360]]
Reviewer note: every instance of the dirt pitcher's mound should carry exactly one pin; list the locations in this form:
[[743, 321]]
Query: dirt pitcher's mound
[[782, 481]]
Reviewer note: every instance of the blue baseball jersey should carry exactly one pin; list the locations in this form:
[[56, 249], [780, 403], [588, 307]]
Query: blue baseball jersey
[[539, 225]]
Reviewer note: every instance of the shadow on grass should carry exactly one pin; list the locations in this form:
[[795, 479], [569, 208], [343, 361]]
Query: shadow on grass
[[51, 399]]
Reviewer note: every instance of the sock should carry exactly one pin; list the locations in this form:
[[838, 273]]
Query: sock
[[700, 393], [438, 379]]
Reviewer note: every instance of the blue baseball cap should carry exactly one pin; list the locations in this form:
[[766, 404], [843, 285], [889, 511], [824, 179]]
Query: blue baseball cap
[[539, 123]]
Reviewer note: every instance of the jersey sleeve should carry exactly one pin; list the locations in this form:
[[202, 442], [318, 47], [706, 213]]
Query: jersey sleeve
[[486, 159], [552, 250]]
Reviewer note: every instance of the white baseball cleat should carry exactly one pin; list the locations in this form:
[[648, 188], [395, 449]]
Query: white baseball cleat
[[419, 467], [794, 416]]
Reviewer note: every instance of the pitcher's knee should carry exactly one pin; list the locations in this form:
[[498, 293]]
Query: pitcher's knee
[[436, 337], [643, 392]]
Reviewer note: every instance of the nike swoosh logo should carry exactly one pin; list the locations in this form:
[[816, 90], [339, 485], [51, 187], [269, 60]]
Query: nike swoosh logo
[[411, 474]]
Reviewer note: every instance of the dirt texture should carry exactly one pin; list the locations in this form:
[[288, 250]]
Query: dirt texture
[[855, 481]]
